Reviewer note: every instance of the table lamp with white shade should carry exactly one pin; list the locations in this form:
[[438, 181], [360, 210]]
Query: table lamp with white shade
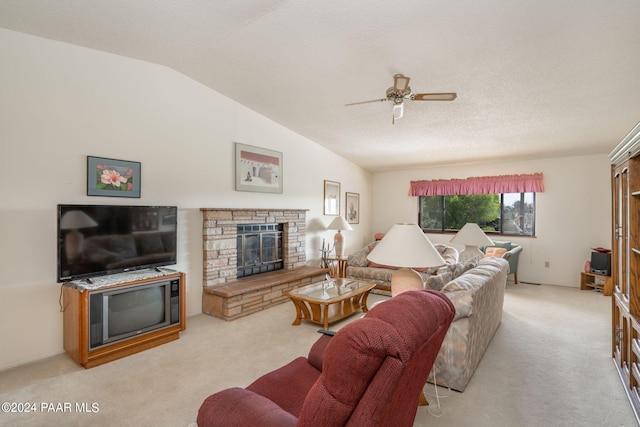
[[75, 220], [407, 247], [339, 223], [471, 236]]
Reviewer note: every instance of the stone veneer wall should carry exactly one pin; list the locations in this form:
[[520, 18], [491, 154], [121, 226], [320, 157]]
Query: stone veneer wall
[[219, 243]]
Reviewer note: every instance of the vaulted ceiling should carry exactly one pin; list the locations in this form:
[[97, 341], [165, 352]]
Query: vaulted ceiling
[[535, 79]]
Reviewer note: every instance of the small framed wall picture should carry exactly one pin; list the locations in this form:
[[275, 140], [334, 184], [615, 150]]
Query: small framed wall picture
[[258, 169], [352, 208], [331, 197], [112, 177]]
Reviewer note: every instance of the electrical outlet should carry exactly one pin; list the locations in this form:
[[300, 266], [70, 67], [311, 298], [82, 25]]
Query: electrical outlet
[[546, 264]]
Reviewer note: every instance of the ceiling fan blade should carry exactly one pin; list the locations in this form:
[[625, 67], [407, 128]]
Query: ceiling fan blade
[[447, 96], [367, 102], [400, 83]]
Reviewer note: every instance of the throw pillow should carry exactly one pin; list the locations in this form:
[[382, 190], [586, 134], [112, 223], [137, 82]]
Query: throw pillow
[[455, 269], [438, 281], [472, 263], [507, 245], [494, 252], [358, 258]]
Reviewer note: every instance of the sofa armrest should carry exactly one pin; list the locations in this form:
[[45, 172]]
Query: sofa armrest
[[462, 302], [512, 256], [512, 252], [240, 407]]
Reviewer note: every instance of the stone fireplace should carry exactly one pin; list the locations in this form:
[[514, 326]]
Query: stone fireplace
[[220, 237]]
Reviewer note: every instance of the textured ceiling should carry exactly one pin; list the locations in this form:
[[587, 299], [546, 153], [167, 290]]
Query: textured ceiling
[[535, 79]]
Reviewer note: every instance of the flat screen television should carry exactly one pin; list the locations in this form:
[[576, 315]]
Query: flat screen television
[[95, 240]]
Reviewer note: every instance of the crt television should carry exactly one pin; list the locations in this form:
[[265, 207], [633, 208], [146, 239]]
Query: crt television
[[117, 314], [95, 240]]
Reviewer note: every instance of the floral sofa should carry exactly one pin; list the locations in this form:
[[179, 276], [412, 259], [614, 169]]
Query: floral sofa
[[360, 268], [478, 296], [476, 289]]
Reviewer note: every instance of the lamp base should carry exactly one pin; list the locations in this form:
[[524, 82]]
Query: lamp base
[[469, 253], [338, 244], [404, 280]]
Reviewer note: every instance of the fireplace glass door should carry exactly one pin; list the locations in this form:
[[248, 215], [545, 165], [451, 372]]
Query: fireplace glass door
[[259, 248]]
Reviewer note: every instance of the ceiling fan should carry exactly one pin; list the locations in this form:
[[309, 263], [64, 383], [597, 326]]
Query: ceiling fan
[[401, 91]]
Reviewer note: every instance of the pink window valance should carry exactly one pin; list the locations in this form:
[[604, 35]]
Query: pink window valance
[[525, 183]]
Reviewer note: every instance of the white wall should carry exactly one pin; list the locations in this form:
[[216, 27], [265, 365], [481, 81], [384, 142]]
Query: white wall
[[60, 103], [573, 214]]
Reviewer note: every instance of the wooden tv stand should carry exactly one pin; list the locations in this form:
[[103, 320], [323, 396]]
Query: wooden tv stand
[[76, 324], [588, 281]]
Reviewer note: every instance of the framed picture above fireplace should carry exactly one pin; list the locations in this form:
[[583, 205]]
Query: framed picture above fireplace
[[258, 169], [331, 197]]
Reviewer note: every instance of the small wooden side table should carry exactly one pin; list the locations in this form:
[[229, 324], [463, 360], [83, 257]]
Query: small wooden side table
[[587, 281], [337, 266]]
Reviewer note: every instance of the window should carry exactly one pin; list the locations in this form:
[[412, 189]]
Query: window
[[507, 213], [504, 204]]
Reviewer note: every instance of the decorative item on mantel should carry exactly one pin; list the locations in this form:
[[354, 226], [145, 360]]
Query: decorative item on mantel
[[471, 236], [407, 247], [339, 223]]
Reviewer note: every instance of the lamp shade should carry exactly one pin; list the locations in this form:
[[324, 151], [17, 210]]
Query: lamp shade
[[339, 223], [73, 220], [471, 235], [405, 245]]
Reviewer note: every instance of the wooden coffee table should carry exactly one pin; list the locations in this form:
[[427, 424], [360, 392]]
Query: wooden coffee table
[[330, 300]]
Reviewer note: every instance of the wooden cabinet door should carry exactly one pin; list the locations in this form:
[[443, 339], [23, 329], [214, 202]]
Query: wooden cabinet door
[[621, 325], [620, 261]]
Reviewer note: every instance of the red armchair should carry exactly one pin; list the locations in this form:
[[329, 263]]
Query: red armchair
[[370, 373]]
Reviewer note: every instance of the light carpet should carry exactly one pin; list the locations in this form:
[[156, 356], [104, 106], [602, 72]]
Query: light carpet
[[549, 364]]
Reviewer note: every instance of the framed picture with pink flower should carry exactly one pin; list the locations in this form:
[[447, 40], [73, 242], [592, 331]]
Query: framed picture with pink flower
[[112, 178]]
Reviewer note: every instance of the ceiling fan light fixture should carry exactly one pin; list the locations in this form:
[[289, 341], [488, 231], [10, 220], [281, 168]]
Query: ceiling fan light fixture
[[400, 82], [400, 91]]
